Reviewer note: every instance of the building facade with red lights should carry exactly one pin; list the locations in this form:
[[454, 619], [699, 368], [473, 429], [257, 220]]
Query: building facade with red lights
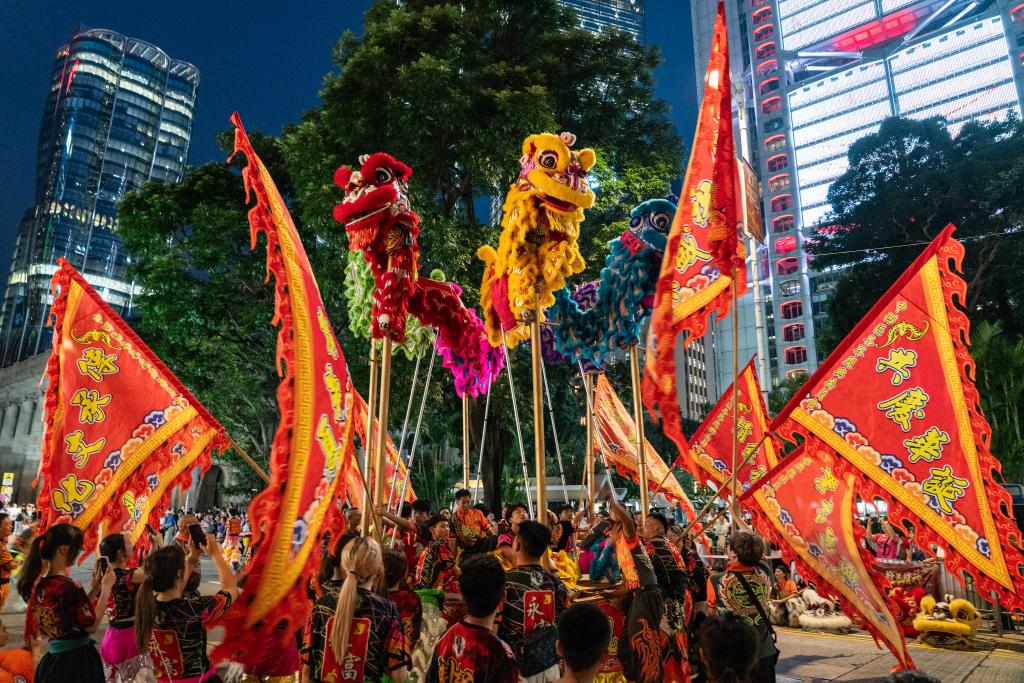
[[817, 75]]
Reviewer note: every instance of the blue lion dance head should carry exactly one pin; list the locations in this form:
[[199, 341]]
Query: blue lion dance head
[[650, 220]]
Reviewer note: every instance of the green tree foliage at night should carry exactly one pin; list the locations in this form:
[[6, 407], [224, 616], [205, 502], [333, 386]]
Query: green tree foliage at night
[[452, 90], [904, 185]]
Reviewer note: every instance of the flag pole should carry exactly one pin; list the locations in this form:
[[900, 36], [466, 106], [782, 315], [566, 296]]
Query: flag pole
[[248, 460], [538, 412], [371, 437], [638, 418], [735, 398], [728, 483], [465, 440]]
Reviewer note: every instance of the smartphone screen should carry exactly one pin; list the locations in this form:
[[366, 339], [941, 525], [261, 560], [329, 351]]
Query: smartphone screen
[[149, 530], [198, 537], [102, 563]]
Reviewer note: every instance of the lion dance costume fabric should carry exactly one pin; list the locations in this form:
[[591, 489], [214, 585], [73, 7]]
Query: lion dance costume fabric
[[380, 222], [625, 292], [538, 248]]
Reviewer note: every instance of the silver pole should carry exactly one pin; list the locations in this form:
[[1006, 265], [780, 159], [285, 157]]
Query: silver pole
[[554, 433], [519, 432]]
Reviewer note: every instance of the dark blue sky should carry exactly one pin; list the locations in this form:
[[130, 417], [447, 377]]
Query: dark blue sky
[[264, 58]]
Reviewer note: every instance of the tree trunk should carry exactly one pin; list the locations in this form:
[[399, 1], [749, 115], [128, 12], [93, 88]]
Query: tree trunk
[[494, 450]]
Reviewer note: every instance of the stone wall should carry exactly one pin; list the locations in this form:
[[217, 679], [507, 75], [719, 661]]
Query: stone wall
[[21, 425], [21, 433]]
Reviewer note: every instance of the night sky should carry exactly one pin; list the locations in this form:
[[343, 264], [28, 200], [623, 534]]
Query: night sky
[[264, 58]]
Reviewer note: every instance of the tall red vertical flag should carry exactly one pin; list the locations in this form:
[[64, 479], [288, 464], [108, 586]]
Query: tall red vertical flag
[[120, 429], [703, 249], [313, 443], [896, 401]]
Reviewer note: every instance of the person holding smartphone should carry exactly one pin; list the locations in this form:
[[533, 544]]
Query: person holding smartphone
[[171, 625], [191, 539], [118, 648], [60, 610]]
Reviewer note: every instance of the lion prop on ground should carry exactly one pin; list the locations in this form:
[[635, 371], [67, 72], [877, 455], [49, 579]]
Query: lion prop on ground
[[952, 624], [811, 612]]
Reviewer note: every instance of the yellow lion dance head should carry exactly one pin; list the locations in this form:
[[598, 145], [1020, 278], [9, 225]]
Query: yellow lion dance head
[[555, 175], [538, 246]]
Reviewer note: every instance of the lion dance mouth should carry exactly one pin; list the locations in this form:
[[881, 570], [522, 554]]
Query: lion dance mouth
[[380, 223], [538, 246]]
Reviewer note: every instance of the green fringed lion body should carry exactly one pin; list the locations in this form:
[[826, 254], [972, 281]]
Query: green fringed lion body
[[538, 247]]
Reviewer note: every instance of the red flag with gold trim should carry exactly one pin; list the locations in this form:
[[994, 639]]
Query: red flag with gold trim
[[313, 443], [808, 508], [355, 495], [120, 430], [897, 402], [616, 432], [710, 455], [703, 246]]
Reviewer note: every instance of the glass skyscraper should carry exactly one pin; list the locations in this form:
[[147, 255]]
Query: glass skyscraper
[[817, 76], [625, 15], [118, 113]]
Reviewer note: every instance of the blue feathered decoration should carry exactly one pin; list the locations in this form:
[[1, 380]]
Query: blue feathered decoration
[[625, 292]]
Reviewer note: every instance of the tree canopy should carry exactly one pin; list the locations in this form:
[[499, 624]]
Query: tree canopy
[[904, 184], [451, 89]]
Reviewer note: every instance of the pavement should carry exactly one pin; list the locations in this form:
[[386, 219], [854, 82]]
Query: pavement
[[812, 657], [806, 657]]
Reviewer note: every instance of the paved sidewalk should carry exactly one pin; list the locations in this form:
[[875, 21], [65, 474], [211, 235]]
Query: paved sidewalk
[[813, 657]]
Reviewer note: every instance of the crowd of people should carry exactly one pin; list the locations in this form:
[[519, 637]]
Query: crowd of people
[[447, 596]]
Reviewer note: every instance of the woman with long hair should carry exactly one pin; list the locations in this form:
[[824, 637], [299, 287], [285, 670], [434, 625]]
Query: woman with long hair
[[119, 649], [354, 633], [60, 610], [170, 625]]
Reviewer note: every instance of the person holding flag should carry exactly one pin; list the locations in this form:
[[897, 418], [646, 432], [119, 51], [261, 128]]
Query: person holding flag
[[642, 644], [672, 582], [172, 626]]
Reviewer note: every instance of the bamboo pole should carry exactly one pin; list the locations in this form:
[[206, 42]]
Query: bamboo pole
[[735, 397], [371, 437], [483, 442], [638, 418], [381, 453], [249, 461], [538, 412], [588, 463], [405, 429], [465, 440]]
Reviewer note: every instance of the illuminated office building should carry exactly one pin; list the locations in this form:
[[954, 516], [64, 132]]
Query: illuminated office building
[[118, 113], [818, 75], [596, 15]]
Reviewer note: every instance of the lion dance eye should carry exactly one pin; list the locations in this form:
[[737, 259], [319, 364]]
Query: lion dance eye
[[548, 159], [383, 175], [661, 221]]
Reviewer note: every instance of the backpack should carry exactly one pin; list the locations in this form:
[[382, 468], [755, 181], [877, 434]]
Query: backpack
[[536, 652]]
